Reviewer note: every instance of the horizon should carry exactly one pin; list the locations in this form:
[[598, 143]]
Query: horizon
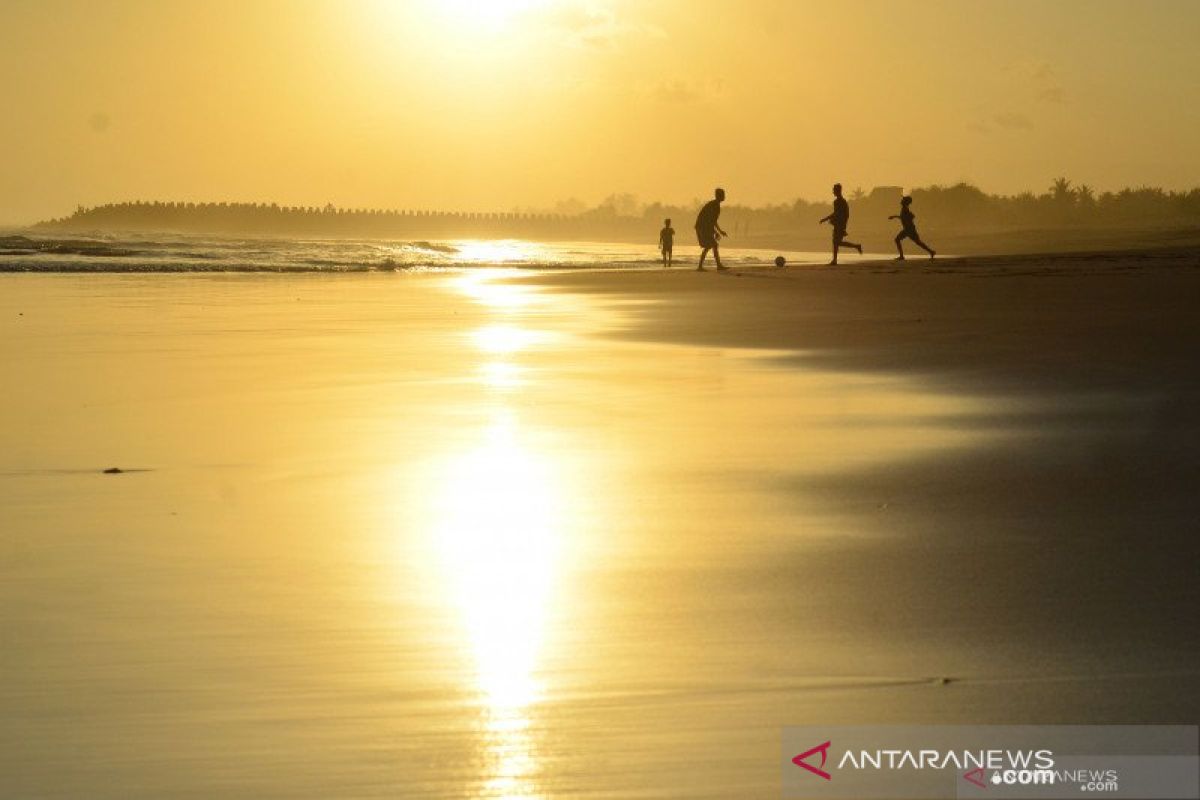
[[634, 206], [524, 104]]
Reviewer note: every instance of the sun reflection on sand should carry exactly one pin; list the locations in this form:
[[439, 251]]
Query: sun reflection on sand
[[504, 339], [497, 537], [498, 532], [496, 529], [498, 296], [501, 375]]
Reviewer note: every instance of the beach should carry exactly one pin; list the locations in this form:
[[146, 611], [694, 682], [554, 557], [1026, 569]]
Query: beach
[[589, 533]]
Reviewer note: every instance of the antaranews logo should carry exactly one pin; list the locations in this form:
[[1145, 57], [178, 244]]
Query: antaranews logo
[[997, 762], [903, 758]]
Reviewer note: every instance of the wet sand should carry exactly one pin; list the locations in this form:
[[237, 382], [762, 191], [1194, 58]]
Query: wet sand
[[587, 534], [1073, 528]]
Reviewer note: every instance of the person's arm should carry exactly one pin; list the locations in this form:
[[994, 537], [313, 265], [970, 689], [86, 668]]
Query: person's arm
[[823, 220], [894, 216], [661, 236]]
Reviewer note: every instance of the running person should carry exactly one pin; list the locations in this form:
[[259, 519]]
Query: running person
[[907, 217], [708, 232], [666, 243], [839, 219]]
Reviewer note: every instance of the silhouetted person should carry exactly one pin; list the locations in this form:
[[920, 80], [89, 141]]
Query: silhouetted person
[[708, 232], [907, 217], [666, 243], [839, 219]]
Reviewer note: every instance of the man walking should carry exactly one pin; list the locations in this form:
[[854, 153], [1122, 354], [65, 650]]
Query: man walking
[[708, 232]]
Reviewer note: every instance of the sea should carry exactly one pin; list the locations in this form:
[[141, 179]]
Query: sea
[[31, 252]]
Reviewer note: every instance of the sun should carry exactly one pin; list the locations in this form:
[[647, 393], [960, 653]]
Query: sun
[[494, 15], [467, 49]]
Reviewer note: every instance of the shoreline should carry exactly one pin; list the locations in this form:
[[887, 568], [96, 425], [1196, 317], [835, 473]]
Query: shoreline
[[1083, 505], [993, 322]]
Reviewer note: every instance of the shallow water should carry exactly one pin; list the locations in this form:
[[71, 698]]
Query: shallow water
[[130, 252], [434, 536]]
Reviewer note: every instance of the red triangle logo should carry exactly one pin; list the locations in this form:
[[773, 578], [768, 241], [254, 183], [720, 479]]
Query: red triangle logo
[[823, 749], [976, 776]]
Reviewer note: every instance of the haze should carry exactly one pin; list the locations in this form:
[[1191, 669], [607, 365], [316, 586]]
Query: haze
[[463, 105]]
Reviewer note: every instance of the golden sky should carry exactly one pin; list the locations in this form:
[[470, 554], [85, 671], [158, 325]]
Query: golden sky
[[498, 104]]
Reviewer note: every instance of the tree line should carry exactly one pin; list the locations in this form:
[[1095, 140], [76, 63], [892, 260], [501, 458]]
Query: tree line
[[960, 207]]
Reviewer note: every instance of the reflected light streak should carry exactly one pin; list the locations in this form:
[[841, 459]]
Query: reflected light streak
[[498, 535], [506, 338], [485, 252], [498, 531], [487, 287], [497, 540], [501, 375]]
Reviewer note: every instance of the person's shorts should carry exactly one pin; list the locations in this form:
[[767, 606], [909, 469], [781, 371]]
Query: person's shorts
[[706, 238], [909, 233], [839, 234]]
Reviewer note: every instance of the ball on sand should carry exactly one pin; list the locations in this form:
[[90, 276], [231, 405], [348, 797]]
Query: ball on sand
[[780, 261]]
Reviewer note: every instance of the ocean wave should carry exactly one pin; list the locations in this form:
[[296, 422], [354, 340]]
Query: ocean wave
[[166, 253], [181, 267], [433, 247], [23, 245]]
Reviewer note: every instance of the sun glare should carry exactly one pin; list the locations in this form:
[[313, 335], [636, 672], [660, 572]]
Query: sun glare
[[503, 339], [490, 12], [497, 535], [497, 528], [488, 288], [484, 252]]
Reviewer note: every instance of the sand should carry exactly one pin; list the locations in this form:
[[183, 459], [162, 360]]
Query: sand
[[596, 534]]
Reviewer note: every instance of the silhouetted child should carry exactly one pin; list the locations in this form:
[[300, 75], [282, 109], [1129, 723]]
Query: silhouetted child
[[907, 217], [666, 242], [839, 219]]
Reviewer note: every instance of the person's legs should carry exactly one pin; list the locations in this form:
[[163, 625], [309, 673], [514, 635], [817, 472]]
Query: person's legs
[[899, 249], [703, 253], [917, 240], [670, 256], [837, 241], [717, 256]]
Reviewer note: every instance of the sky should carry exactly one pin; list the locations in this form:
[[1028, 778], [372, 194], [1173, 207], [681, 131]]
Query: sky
[[504, 104]]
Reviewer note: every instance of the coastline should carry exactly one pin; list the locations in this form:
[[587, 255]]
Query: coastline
[[976, 322], [1078, 517]]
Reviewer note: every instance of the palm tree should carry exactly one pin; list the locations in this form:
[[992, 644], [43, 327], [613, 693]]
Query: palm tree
[[1085, 196], [1061, 190]]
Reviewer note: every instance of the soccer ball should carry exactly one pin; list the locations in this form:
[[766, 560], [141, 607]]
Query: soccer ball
[[780, 261]]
